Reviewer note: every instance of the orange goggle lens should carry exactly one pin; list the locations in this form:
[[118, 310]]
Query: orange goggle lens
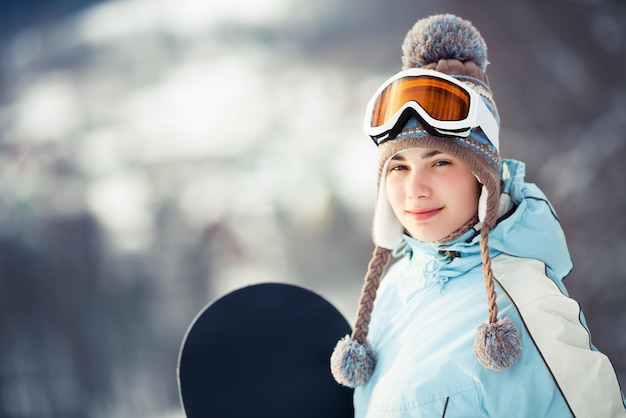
[[441, 99]]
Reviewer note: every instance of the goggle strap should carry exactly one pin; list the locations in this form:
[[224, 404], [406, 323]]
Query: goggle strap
[[488, 123]]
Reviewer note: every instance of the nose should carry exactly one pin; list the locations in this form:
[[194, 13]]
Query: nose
[[417, 185]]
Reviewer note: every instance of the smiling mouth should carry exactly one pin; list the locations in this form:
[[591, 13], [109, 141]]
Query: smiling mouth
[[422, 215]]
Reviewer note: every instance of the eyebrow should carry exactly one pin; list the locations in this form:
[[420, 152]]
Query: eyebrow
[[426, 155]]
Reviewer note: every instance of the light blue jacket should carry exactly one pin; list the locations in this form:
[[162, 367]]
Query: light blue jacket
[[432, 299]]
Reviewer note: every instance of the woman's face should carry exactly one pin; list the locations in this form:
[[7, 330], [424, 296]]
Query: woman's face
[[431, 193]]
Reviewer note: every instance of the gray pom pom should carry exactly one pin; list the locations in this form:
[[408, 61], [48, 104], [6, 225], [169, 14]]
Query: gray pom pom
[[352, 363], [498, 345], [441, 37]]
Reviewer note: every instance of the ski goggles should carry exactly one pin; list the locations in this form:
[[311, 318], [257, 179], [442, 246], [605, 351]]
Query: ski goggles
[[444, 106]]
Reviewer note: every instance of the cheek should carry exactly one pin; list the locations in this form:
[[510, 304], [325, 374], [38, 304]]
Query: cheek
[[464, 189], [395, 192], [470, 190]]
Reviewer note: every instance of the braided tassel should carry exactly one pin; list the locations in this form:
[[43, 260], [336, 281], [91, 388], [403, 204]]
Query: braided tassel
[[498, 343], [353, 360]]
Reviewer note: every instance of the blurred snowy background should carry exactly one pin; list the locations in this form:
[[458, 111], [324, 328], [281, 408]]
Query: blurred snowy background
[[155, 154]]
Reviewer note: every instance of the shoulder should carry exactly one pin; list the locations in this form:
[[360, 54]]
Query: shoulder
[[559, 333], [524, 279]]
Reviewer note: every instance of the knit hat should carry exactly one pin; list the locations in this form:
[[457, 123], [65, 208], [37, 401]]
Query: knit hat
[[453, 46]]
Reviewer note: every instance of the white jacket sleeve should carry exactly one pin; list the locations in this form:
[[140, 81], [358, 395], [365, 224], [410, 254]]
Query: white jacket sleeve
[[584, 376]]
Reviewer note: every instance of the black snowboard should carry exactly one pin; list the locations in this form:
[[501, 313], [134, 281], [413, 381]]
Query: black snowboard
[[263, 351]]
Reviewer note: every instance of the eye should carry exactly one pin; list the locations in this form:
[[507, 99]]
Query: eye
[[398, 167], [440, 163]]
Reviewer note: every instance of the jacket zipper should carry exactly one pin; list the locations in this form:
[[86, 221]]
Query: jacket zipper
[[445, 407]]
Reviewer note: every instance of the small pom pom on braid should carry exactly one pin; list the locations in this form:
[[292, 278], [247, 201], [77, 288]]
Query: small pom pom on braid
[[498, 343], [352, 362]]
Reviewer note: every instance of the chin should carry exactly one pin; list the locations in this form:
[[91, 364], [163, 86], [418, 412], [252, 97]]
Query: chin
[[427, 238]]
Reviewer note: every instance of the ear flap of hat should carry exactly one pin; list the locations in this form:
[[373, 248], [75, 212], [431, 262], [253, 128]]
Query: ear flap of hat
[[482, 203], [387, 228]]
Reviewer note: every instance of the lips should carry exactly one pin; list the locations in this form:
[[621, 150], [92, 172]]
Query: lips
[[423, 214]]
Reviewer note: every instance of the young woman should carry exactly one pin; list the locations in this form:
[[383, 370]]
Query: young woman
[[472, 319]]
